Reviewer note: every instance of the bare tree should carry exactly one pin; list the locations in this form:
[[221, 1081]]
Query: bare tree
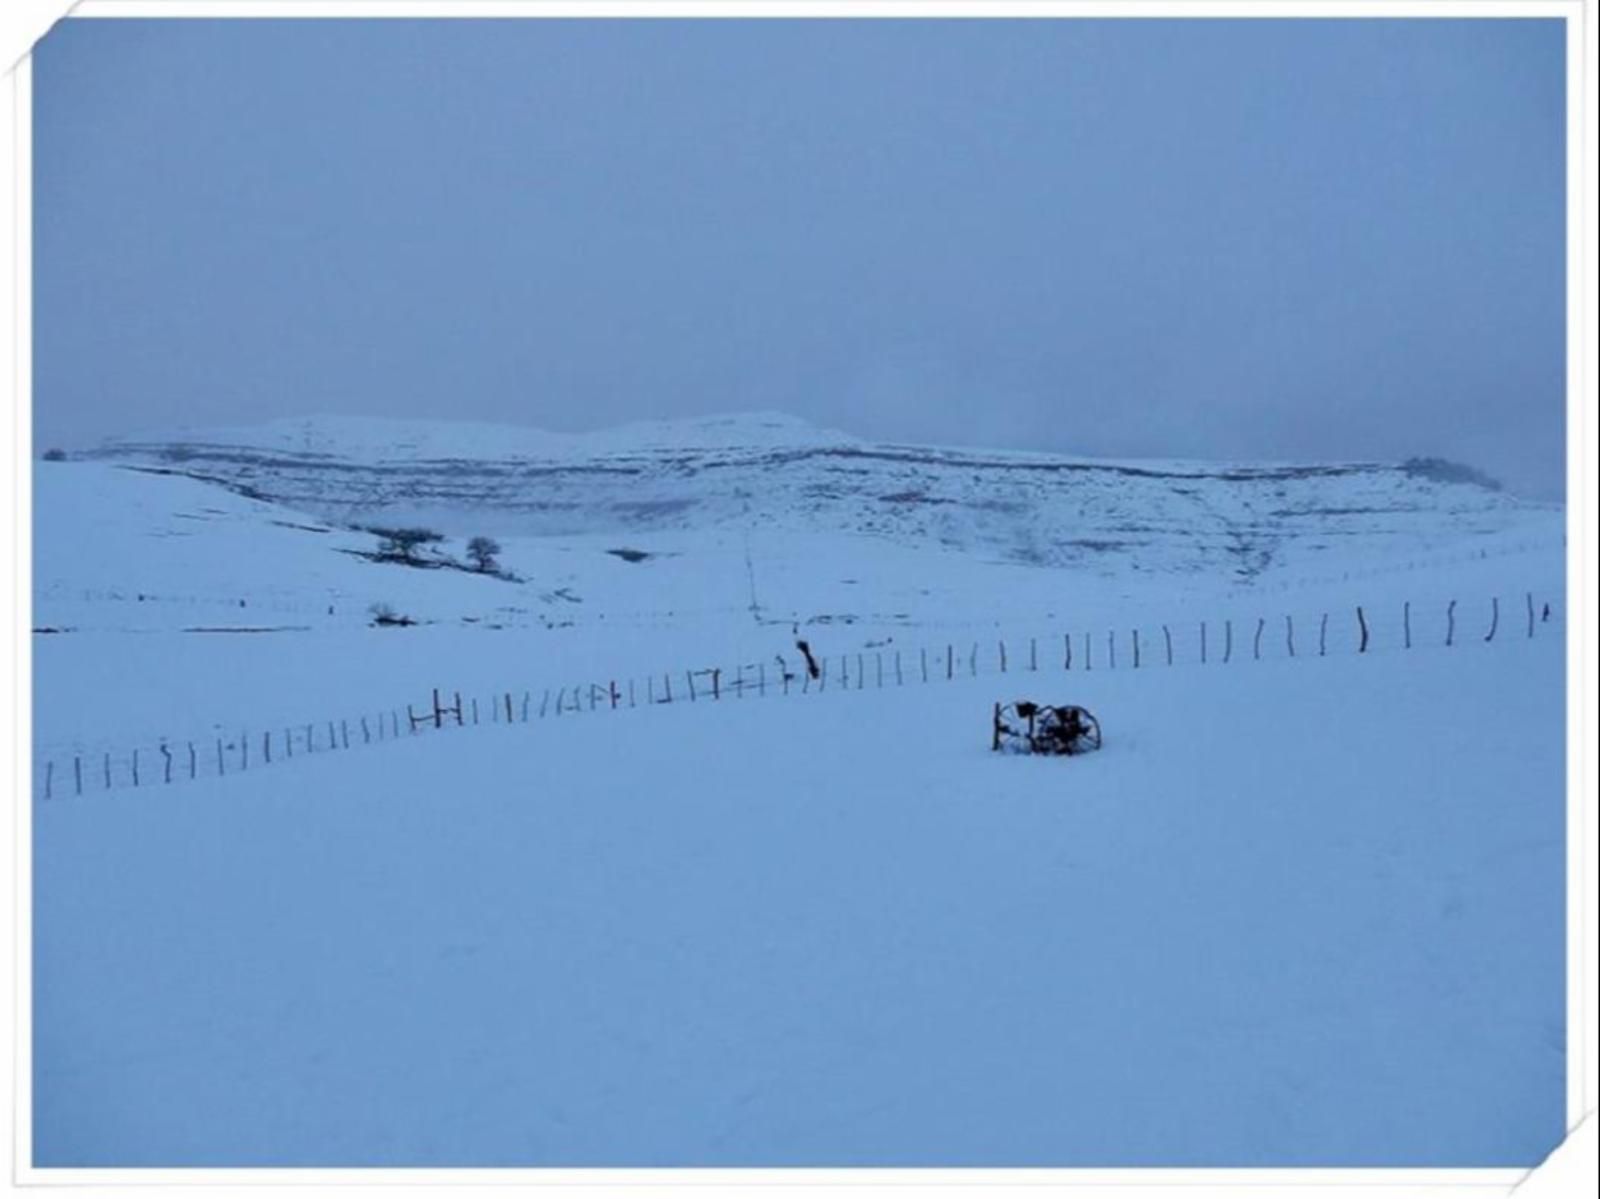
[[482, 551], [401, 545]]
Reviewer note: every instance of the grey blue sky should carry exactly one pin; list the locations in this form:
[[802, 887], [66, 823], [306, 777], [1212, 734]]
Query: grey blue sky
[[1287, 239]]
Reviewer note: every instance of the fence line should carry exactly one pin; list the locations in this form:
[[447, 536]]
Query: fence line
[[229, 754]]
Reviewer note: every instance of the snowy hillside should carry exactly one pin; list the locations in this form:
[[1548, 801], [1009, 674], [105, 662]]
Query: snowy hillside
[[1306, 908], [771, 473]]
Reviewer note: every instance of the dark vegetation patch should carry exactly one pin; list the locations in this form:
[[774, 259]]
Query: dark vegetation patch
[[628, 555]]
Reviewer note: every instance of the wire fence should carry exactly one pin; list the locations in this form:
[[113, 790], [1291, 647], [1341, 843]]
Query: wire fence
[[78, 771]]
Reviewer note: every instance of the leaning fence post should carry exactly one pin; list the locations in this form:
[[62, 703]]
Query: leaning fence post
[[366, 733], [1361, 618], [689, 674], [1495, 622], [972, 661], [1227, 641]]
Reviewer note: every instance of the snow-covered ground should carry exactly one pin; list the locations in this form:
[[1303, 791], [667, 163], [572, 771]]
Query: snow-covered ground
[[1300, 911]]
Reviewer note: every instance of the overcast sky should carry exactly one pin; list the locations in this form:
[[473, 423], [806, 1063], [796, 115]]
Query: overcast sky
[[1240, 239]]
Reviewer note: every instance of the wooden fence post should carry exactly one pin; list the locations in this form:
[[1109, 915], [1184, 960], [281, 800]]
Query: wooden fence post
[[1033, 653], [1406, 622], [220, 769], [924, 655], [1002, 657], [1111, 643], [1361, 618], [689, 674], [861, 674], [49, 778], [1136, 649], [1322, 638], [1261, 624], [77, 773], [899, 679], [366, 733], [1066, 639], [438, 712], [135, 767], [1167, 633], [266, 747], [949, 661], [972, 661], [1289, 625], [1530, 614], [1494, 623], [458, 710], [878, 655], [1088, 652], [166, 767], [244, 750], [107, 765], [1450, 624], [1202, 643]]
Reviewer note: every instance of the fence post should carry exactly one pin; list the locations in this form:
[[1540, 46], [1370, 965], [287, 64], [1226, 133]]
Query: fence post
[[1136, 649], [1167, 633], [311, 744], [1066, 639], [1033, 653], [527, 697], [77, 773], [924, 655], [1406, 622], [716, 682], [1227, 641], [1494, 624], [107, 764], [1261, 624], [166, 766], [1111, 642], [1289, 624], [899, 679], [366, 733], [1530, 614], [438, 712], [972, 661], [49, 778], [949, 661], [136, 768], [1002, 657], [244, 750], [220, 769], [1088, 652], [689, 674], [1202, 643], [1450, 624], [458, 710], [332, 743], [878, 656], [1361, 618], [1322, 638], [266, 747]]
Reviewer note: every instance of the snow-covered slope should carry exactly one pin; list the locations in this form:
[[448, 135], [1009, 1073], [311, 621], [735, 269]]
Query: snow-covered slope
[[772, 474]]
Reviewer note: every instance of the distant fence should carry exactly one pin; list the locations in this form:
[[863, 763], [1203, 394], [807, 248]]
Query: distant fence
[[1192, 642]]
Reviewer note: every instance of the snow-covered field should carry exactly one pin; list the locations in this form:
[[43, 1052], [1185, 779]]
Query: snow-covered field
[[1302, 911]]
